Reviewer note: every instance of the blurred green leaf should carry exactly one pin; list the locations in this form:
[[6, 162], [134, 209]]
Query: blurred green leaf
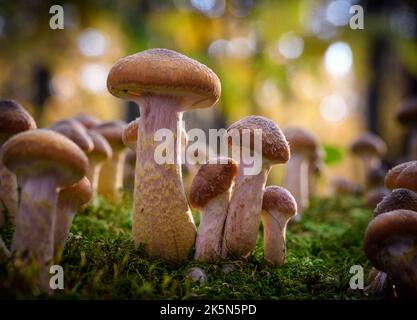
[[332, 154]]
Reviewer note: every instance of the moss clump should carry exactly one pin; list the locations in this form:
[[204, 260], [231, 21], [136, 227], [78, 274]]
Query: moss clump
[[100, 261]]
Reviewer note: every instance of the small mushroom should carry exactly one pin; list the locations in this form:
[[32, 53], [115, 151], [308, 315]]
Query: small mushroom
[[278, 207], [369, 148], [101, 152], [13, 119], [243, 217], [74, 131], [70, 199], [315, 170], [43, 161], [407, 115], [375, 196], [390, 244], [210, 193], [397, 199], [342, 186], [88, 121], [110, 181], [303, 146], [130, 134], [402, 176], [164, 84]]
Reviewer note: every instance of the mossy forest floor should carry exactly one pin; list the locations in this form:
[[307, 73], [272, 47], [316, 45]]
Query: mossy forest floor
[[100, 261]]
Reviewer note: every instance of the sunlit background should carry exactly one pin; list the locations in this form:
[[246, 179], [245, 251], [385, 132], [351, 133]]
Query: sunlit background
[[296, 62]]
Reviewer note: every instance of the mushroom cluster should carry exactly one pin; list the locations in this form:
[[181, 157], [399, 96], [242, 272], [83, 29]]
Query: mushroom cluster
[[391, 237]]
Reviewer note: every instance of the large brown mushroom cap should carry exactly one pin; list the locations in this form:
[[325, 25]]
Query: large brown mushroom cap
[[211, 180], [279, 199], [397, 199], [407, 112], [113, 132], [274, 144], [301, 141], [13, 119], [402, 176], [164, 72], [75, 131], [38, 151], [369, 144], [386, 229], [78, 194]]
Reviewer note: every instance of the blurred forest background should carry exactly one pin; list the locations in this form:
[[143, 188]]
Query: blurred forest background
[[296, 62]]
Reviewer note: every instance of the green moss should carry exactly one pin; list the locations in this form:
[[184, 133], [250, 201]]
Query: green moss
[[100, 261]]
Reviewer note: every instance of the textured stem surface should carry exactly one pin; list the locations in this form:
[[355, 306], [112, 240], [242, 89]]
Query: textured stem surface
[[162, 219], [8, 193], [93, 174], [296, 181], [275, 226], [64, 216], [4, 252], [33, 236], [111, 177], [243, 217], [210, 232]]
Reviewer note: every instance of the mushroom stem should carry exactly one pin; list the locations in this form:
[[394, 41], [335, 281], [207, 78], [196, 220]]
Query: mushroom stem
[[33, 236], [93, 173], [4, 252], [65, 214], [243, 217], [8, 193], [111, 176], [162, 219], [210, 233], [296, 181], [275, 227]]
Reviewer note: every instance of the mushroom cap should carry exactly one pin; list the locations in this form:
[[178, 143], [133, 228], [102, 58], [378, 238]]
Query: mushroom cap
[[88, 121], [369, 144], [342, 185], [375, 196], [301, 141], [164, 72], [112, 131], [385, 229], [102, 149], [75, 131], [275, 146], [130, 134], [78, 194], [279, 199], [375, 177], [211, 180], [42, 151], [402, 176], [406, 113], [397, 199], [13, 119]]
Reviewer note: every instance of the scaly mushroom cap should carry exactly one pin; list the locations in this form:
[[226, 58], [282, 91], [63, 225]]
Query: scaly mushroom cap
[[75, 131], [112, 131], [407, 112], [375, 196], [13, 119], [164, 72], [369, 144], [386, 229], [301, 141], [40, 151], [130, 134], [402, 176], [102, 149], [274, 144], [211, 180], [88, 121], [397, 199], [279, 199], [78, 194]]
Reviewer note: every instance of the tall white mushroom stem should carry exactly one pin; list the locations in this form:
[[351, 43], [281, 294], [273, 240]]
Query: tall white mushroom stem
[[210, 233], [275, 228], [8, 193], [93, 173], [33, 237], [66, 210], [111, 176], [243, 216], [162, 219], [296, 181]]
